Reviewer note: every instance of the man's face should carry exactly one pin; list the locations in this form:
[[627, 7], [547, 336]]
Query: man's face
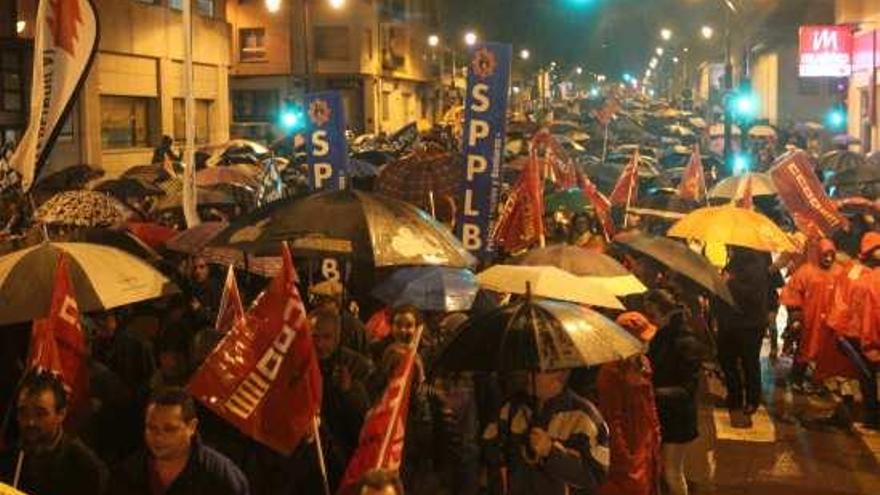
[[167, 434], [404, 327], [826, 259], [200, 270], [39, 418], [326, 339], [548, 385]]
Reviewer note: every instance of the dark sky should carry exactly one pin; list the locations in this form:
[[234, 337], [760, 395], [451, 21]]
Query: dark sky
[[608, 36]]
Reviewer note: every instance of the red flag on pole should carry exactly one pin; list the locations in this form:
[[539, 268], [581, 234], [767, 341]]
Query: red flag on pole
[[521, 220], [626, 190], [744, 198], [264, 377], [381, 440], [231, 308], [601, 205], [693, 180], [58, 344]]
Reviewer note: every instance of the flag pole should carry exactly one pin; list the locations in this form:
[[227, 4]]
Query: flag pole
[[18, 464], [190, 197], [320, 449], [632, 185], [605, 144], [395, 414]]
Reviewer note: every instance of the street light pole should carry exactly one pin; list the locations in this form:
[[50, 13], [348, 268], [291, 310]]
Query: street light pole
[[728, 90], [190, 198], [306, 45]]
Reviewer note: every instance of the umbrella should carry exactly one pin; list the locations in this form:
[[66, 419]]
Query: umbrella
[[206, 197], [193, 240], [82, 208], [762, 131], [734, 226], [433, 288], [860, 181], [233, 174], [371, 227], [840, 160], [537, 335], [103, 278], [74, 177], [732, 187], [678, 258], [845, 140], [265, 266], [8, 490], [147, 173], [375, 157], [596, 266], [418, 177], [125, 241], [153, 234], [128, 187], [547, 282], [361, 169]]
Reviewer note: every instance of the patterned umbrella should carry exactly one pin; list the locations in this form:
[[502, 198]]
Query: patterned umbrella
[[103, 278], [148, 173], [195, 239], [418, 177], [82, 209], [840, 160], [233, 174]]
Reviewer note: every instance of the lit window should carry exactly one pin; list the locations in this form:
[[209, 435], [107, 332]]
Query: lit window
[[128, 121]]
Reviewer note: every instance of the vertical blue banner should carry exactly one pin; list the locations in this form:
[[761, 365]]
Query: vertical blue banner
[[485, 123], [325, 141]]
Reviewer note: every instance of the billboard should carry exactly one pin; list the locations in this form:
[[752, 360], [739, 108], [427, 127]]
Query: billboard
[[825, 51]]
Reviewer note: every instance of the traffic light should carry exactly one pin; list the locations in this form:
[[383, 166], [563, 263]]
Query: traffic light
[[835, 120], [292, 118], [742, 162], [744, 105]]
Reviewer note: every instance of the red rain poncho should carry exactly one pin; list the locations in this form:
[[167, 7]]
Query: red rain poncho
[[811, 289], [869, 316]]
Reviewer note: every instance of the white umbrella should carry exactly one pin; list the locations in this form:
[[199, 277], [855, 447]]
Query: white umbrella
[[732, 187], [548, 282], [762, 131]]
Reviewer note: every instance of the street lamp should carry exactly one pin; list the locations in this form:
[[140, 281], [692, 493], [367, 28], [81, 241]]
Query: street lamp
[[666, 34], [273, 5], [659, 51], [336, 4], [524, 54], [707, 32], [470, 38], [433, 40], [579, 70], [675, 60]]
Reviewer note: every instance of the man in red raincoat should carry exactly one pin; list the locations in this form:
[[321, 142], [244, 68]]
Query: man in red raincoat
[[808, 295], [866, 318], [626, 401]]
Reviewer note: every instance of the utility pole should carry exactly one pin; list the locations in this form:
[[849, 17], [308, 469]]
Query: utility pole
[[190, 197], [728, 93]]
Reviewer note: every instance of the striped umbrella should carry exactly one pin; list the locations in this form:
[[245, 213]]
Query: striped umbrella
[[103, 278]]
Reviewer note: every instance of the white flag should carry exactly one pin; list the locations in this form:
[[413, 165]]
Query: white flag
[[65, 41]]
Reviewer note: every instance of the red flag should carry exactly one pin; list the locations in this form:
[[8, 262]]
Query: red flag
[[744, 198], [521, 220], [381, 440], [231, 308], [693, 180], [58, 344], [626, 191], [600, 203], [264, 377], [804, 196]]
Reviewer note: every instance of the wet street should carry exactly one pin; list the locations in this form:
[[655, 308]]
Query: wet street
[[788, 449]]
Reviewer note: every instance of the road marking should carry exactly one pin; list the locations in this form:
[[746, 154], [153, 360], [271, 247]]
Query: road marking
[[762, 430]]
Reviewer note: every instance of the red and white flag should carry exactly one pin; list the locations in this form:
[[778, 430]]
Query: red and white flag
[[601, 205], [521, 219], [381, 440], [693, 180], [264, 377], [65, 41], [58, 344], [626, 190], [231, 308]]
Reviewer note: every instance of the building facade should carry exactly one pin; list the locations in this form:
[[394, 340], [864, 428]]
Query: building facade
[[374, 52], [134, 92], [864, 17]]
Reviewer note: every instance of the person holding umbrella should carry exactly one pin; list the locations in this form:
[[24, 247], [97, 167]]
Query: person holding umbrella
[[553, 442]]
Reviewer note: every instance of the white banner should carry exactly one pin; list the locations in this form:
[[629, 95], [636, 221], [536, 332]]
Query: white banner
[[65, 41]]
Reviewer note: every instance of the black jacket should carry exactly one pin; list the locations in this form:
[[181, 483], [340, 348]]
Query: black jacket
[[69, 468], [207, 471], [675, 355]]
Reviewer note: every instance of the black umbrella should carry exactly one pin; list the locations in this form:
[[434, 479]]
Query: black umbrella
[[371, 227], [536, 335], [863, 180], [149, 173], [677, 257], [840, 160], [129, 187]]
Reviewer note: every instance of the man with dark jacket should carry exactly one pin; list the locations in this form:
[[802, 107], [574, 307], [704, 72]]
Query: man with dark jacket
[[741, 329], [175, 461], [52, 462]]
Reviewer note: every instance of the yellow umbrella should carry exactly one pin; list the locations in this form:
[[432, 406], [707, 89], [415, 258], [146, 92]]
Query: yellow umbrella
[[548, 282], [733, 226]]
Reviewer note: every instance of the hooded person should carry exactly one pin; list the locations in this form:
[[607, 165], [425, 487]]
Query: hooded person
[[808, 295], [626, 401]]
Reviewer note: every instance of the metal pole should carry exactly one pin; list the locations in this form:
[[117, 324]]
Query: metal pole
[[190, 199], [442, 99], [728, 88], [306, 45]]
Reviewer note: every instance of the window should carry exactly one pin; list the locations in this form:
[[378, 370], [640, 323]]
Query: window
[[11, 83], [386, 105], [255, 105], [204, 7], [332, 43], [407, 105], [203, 120], [128, 121], [252, 44]]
